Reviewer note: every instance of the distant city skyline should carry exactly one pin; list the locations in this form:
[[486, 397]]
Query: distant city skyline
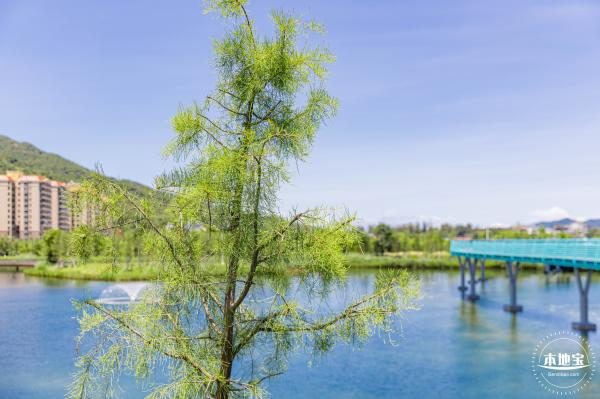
[[450, 111]]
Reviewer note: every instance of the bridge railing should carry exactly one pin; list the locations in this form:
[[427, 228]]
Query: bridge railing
[[569, 251]]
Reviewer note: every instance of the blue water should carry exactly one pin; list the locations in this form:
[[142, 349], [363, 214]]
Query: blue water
[[448, 349]]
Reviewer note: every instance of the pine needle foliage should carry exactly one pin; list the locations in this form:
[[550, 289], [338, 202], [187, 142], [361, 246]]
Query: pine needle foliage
[[221, 335]]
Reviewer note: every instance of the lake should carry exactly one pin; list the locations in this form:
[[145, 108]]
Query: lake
[[449, 348]]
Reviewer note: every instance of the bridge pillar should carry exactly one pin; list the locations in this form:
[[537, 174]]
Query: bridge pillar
[[513, 272], [584, 289], [472, 262], [482, 277], [461, 263]]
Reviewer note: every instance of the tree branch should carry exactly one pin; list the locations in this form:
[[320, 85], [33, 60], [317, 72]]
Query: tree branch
[[226, 107], [267, 115], [216, 126], [248, 24], [183, 357], [351, 311], [154, 227]]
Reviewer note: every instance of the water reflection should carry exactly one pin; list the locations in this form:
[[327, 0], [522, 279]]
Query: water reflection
[[468, 313], [514, 332], [13, 279]]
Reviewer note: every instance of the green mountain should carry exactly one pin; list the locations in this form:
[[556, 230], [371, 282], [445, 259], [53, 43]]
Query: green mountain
[[26, 158]]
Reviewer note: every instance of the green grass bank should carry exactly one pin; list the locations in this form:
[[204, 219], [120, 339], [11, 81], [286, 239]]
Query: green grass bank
[[104, 271]]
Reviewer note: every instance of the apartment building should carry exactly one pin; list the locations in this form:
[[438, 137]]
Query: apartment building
[[60, 215], [83, 215], [7, 207], [31, 205]]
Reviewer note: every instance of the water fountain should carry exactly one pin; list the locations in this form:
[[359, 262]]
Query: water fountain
[[122, 293]]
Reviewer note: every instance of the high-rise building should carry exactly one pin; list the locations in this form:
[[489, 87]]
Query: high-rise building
[[31, 205], [60, 215], [7, 207]]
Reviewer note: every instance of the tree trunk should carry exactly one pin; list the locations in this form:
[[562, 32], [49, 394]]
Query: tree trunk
[[223, 386], [227, 354]]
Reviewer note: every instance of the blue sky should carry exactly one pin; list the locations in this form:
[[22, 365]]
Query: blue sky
[[458, 111]]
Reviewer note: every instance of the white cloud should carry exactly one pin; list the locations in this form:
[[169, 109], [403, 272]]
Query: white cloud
[[553, 213]]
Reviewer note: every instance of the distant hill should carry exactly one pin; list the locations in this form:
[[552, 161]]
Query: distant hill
[[593, 223], [27, 158], [554, 223], [590, 223]]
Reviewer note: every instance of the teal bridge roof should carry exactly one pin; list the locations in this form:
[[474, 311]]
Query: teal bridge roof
[[581, 253]]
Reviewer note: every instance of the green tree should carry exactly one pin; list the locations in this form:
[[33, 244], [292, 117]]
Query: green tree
[[197, 324], [54, 245], [6, 246], [85, 242], [383, 238]]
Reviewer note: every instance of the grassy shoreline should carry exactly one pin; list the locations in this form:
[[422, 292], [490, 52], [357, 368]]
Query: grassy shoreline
[[102, 271], [94, 271], [440, 260]]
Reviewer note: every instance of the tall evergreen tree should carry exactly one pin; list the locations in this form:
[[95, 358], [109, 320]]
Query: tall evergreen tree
[[220, 335]]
